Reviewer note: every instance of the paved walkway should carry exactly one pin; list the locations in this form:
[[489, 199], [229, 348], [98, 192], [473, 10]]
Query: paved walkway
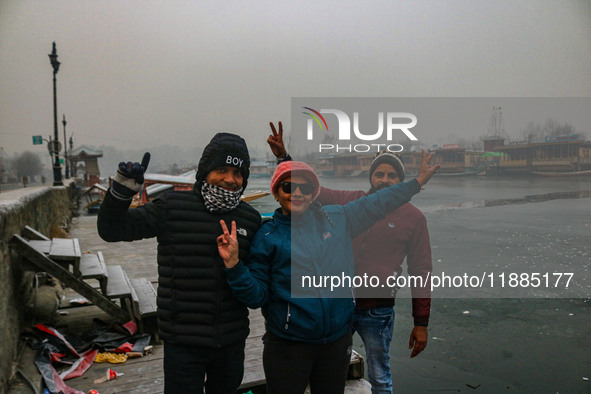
[[145, 374]]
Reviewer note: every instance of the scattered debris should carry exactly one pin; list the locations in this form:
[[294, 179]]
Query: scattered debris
[[79, 351], [109, 375], [79, 301], [112, 358]]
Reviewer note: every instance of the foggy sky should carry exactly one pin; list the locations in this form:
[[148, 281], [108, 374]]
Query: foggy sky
[[138, 74]]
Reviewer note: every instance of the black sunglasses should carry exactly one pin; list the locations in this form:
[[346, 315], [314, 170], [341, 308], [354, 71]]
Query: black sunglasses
[[305, 188]]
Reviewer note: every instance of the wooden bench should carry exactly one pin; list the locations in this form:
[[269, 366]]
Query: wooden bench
[[92, 266], [143, 298], [118, 285], [41, 245], [137, 296], [64, 251], [42, 262]]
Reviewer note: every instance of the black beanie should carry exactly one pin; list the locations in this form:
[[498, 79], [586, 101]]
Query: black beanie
[[388, 158], [224, 149]]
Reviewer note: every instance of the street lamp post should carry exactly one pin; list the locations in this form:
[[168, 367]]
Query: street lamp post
[[72, 165], [67, 170], [57, 169]]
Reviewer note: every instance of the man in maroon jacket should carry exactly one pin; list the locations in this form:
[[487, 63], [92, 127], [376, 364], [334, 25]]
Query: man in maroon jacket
[[379, 252]]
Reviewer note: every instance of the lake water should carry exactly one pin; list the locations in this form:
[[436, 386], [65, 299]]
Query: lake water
[[499, 237]]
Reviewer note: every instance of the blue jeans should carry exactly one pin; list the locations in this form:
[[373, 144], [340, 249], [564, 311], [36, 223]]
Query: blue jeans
[[375, 327]]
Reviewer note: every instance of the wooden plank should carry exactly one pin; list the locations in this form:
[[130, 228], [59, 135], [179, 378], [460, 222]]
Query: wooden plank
[[21, 245], [134, 306], [146, 298], [41, 246], [32, 234], [92, 266], [66, 250], [118, 285]]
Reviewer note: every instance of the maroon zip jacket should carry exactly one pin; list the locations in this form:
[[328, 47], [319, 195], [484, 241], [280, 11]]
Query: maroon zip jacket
[[380, 252]]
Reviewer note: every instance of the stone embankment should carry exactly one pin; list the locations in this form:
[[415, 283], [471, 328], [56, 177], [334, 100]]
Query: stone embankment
[[43, 208]]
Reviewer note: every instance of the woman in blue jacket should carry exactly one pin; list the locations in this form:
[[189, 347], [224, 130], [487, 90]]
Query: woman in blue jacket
[[294, 263]]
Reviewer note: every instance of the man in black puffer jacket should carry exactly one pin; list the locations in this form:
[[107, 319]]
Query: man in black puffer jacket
[[204, 327]]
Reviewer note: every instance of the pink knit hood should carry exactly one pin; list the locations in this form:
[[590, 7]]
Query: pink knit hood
[[293, 168]]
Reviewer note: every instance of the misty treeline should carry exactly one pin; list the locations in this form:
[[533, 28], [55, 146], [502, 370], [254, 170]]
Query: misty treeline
[[536, 132], [164, 159], [21, 164], [176, 160], [532, 133]]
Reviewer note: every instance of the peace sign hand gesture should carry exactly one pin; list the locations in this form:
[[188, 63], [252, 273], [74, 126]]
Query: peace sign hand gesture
[[275, 141], [228, 245]]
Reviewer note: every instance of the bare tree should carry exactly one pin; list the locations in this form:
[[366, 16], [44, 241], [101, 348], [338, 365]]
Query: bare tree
[[27, 163], [532, 132], [535, 131], [552, 127]]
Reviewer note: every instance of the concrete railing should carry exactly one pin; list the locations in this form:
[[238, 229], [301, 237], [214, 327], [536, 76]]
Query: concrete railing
[[40, 208]]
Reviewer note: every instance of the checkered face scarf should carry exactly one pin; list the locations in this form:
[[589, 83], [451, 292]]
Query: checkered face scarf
[[219, 200]]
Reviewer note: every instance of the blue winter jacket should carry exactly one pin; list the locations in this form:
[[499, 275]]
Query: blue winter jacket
[[289, 248]]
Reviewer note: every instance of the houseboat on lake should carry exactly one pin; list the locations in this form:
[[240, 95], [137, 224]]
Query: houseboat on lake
[[345, 164], [556, 154], [262, 169], [455, 160], [357, 164]]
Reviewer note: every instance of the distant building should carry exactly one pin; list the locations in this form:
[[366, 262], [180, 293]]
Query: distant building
[[558, 154], [262, 169], [492, 142], [343, 164], [412, 162], [456, 160], [84, 164]]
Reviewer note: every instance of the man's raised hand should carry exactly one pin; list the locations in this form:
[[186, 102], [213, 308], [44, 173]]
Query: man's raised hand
[[426, 171], [129, 178]]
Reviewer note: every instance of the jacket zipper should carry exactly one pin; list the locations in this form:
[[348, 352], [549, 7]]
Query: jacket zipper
[[287, 320]]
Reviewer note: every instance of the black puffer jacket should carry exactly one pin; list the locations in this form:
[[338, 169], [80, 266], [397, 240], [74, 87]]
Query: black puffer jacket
[[195, 304]]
